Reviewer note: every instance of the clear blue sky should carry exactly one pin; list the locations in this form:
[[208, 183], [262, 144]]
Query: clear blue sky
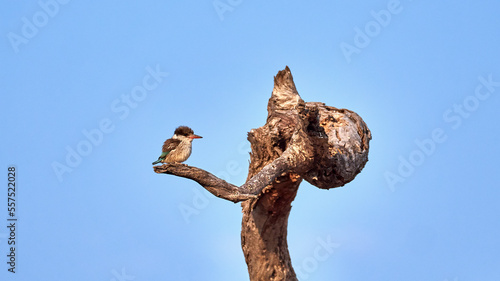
[[91, 89]]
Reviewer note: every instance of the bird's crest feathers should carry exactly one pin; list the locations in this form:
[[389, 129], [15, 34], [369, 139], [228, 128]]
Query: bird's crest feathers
[[183, 131]]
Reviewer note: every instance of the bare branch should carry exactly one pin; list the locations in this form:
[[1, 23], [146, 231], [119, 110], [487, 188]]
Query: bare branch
[[222, 189], [213, 184]]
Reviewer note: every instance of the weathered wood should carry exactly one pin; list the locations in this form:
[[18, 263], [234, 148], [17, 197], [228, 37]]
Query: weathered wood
[[323, 145], [213, 184], [341, 142]]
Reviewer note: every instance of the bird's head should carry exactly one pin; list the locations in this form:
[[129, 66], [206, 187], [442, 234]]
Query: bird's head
[[185, 133]]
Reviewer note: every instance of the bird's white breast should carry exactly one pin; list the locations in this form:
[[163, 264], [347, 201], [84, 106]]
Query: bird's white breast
[[181, 153]]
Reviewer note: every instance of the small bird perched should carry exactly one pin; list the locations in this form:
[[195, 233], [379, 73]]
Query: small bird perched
[[178, 148]]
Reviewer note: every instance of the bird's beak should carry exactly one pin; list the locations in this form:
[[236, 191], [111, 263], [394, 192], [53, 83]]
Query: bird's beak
[[195, 137]]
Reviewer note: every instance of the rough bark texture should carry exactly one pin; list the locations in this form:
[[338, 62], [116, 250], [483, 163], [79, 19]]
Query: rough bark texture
[[323, 145]]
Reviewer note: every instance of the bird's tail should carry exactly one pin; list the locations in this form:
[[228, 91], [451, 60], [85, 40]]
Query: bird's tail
[[161, 158]]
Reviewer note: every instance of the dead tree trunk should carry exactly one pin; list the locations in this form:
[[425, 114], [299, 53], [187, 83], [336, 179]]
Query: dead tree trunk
[[323, 145]]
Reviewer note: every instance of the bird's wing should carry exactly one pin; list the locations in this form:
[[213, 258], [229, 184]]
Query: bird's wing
[[170, 145]]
